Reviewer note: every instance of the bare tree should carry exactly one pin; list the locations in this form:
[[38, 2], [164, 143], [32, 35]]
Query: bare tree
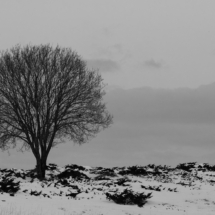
[[46, 95]]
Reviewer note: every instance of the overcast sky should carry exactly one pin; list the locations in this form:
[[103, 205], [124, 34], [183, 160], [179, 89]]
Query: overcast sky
[[158, 59]]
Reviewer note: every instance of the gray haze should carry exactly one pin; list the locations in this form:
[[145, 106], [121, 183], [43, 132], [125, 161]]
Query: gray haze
[[160, 44], [162, 126], [155, 57]]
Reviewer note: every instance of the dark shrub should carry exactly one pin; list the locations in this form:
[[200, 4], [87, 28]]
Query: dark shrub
[[74, 166], [186, 166], [9, 186], [134, 170], [158, 188], [209, 167], [51, 166], [103, 171], [75, 174], [107, 173], [101, 177], [128, 197], [121, 181]]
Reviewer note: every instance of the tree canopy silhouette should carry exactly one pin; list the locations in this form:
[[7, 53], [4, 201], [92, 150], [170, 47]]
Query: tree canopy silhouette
[[46, 95]]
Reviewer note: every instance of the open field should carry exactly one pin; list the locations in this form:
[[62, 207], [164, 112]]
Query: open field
[[186, 189]]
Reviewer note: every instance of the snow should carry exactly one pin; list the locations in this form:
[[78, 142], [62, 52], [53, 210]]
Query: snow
[[182, 192]]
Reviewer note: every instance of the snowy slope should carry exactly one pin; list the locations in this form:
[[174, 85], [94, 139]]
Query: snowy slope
[[185, 189]]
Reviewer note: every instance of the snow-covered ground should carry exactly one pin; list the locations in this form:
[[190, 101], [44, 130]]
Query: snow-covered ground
[[185, 189]]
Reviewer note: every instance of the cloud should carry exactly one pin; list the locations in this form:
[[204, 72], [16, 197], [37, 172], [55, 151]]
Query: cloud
[[110, 30], [111, 87], [104, 65], [160, 106], [162, 125], [153, 64], [159, 126], [115, 51]]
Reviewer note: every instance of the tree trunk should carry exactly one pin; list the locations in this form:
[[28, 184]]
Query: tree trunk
[[41, 168]]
